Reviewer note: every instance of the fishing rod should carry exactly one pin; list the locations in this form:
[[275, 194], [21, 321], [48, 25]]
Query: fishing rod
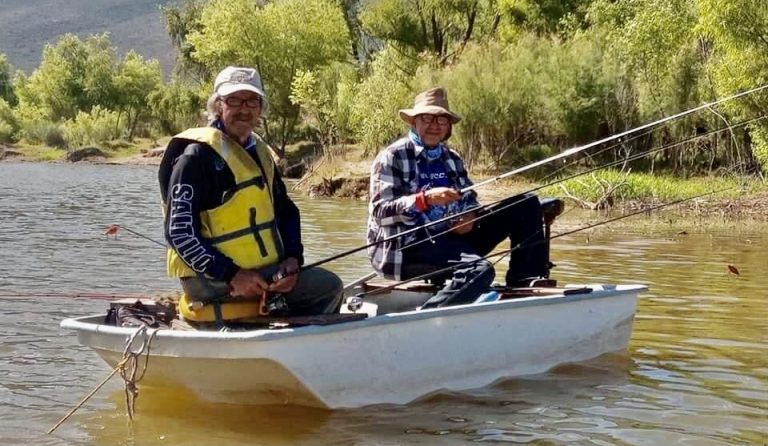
[[535, 189], [356, 304], [578, 149], [73, 295], [114, 229], [495, 209], [564, 154]]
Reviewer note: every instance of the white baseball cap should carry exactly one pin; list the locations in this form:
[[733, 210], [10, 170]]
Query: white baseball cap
[[234, 79]]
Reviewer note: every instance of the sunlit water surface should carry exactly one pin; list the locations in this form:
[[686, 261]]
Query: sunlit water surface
[[696, 372]]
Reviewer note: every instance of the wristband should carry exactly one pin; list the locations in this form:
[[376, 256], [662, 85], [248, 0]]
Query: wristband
[[421, 202]]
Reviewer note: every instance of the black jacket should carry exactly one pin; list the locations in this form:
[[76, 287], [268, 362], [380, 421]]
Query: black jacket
[[201, 168]]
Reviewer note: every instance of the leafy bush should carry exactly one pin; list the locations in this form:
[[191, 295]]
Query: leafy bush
[[8, 123], [97, 127], [44, 132], [325, 99], [379, 96], [760, 147], [176, 106]]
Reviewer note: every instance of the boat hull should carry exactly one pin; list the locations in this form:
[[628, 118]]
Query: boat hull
[[392, 358]]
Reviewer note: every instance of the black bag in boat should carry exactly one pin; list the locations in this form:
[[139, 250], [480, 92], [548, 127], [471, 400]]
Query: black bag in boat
[[139, 312]]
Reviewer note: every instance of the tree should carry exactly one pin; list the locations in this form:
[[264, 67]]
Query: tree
[[279, 39], [324, 97], [438, 26], [737, 35], [180, 22], [133, 81], [73, 75], [6, 85], [176, 106]]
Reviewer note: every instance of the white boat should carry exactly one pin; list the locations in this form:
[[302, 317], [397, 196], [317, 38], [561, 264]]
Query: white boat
[[394, 357]]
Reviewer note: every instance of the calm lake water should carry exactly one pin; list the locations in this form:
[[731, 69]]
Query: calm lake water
[[696, 372]]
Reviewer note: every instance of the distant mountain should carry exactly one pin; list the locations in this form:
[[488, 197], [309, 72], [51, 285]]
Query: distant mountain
[[27, 25]]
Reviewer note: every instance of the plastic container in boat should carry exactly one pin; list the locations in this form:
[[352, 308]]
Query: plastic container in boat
[[490, 296]]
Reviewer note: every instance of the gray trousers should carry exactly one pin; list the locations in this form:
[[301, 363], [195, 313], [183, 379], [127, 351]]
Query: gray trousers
[[317, 291]]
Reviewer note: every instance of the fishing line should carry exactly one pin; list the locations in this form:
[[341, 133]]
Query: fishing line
[[564, 154], [114, 229], [570, 177], [578, 149], [519, 246], [538, 163]]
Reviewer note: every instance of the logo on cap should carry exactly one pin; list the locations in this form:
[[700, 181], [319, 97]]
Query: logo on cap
[[240, 77]]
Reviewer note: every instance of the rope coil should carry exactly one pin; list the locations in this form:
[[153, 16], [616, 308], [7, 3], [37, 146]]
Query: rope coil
[[128, 366]]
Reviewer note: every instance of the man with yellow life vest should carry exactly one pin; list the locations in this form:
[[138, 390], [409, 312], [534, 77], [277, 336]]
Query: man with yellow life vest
[[234, 235]]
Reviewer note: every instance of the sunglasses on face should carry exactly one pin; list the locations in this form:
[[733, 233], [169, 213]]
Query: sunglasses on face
[[429, 119], [237, 102]]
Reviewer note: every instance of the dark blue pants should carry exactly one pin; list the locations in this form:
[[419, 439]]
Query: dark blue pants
[[517, 218]]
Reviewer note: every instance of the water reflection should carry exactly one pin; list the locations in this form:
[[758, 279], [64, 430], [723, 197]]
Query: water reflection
[[182, 421], [696, 372]]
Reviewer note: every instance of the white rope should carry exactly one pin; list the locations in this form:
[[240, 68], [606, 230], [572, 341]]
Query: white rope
[[130, 365]]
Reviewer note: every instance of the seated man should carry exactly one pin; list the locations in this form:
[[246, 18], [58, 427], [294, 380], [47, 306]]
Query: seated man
[[234, 235], [417, 180]]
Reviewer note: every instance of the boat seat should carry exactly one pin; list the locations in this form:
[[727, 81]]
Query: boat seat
[[403, 297]]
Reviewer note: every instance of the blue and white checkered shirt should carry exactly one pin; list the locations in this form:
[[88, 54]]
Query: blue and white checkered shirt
[[392, 206]]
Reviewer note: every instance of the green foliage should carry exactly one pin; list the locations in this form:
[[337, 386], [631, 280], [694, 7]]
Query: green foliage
[[641, 186], [379, 96], [438, 26], [43, 132], [94, 128], [175, 106], [279, 39], [324, 97], [499, 97], [539, 16], [134, 79], [737, 33], [536, 91], [8, 123], [6, 86], [73, 75], [180, 21], [760, 146], [654, 41]]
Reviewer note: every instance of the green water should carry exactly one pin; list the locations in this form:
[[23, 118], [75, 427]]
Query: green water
[[696, 372]]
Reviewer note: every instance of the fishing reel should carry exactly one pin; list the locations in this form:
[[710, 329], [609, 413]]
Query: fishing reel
[[277, 305], [355, 303]]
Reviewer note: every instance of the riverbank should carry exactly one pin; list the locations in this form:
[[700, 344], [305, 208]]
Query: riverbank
[[343, 173], [141, 151]]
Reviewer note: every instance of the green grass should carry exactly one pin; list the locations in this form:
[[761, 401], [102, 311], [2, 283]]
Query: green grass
[[113, 149], [647, 187]]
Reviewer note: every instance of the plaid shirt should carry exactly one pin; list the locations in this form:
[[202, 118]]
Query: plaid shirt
[[392, 207]]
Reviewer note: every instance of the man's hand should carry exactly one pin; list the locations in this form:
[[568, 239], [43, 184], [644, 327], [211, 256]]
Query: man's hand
[[249, 284], [440, 196], [464, 224], [286, 277]]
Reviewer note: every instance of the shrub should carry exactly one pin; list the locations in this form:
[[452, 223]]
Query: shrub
[[97, 127], [8, 123], [43, 132]]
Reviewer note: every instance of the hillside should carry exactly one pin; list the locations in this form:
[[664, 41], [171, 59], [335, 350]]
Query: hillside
[[27, 25]]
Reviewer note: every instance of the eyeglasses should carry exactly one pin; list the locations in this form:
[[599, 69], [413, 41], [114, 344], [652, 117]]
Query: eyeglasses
[[237, 102], [441, 120]]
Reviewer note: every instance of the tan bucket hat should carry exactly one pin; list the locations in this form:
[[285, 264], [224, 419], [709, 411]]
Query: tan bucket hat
[[431, 102]]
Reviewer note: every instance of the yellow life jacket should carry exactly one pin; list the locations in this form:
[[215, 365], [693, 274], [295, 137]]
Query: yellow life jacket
[[229, 311], [243, 227]]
